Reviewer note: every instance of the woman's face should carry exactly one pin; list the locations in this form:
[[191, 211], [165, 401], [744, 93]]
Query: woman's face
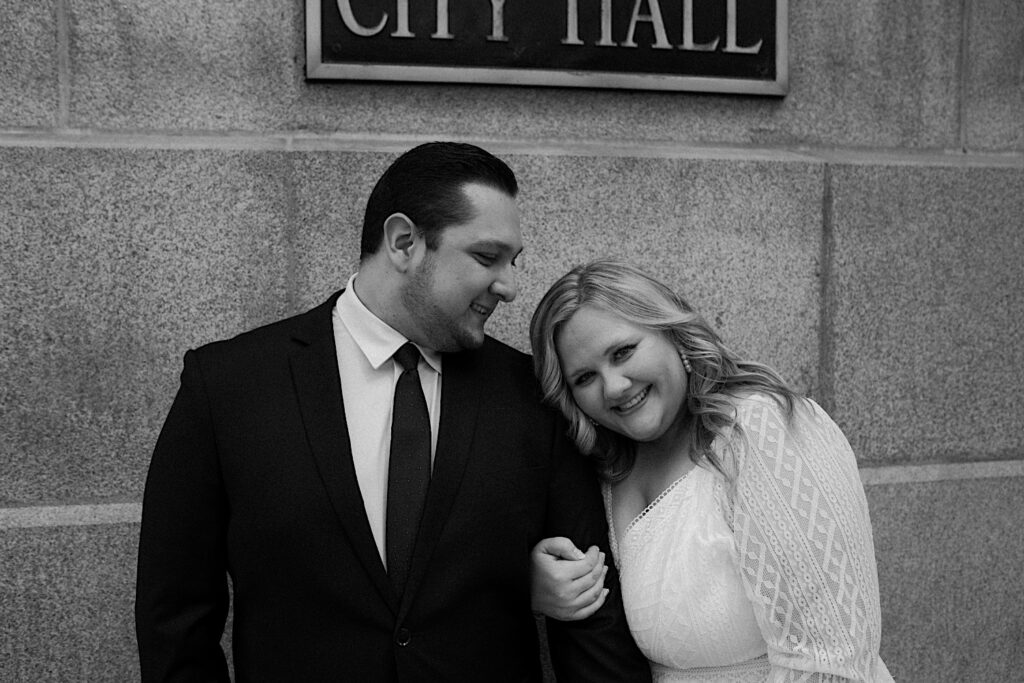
[[625, 377]]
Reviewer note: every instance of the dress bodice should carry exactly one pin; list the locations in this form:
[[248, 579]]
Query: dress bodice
[[763, 573], [681, 587]]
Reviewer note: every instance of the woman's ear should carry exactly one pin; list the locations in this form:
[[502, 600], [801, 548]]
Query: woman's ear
[[400, 239]]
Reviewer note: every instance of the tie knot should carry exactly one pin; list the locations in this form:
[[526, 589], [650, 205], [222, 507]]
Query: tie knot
[[408, 356]]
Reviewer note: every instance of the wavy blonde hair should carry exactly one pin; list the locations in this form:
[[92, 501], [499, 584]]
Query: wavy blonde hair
[[718, 374]]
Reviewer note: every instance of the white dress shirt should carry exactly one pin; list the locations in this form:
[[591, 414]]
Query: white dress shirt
[[365, 346]]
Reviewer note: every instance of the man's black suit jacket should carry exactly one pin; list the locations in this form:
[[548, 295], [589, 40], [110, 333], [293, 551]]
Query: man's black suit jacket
[[252, 477]]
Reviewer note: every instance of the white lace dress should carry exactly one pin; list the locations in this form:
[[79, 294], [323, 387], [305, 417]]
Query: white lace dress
[[767, 575]]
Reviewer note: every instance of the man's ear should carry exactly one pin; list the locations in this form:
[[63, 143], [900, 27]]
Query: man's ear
[[400, 240]]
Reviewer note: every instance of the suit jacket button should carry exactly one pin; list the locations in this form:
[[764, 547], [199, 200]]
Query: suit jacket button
[[403, 637]]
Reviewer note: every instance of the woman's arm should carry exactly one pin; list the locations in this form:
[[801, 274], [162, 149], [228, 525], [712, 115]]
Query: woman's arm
[[804, 544]]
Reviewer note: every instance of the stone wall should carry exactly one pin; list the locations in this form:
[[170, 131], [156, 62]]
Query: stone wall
[[168, 177]]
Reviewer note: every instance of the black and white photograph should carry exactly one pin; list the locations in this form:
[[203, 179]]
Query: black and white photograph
[[512, 341]]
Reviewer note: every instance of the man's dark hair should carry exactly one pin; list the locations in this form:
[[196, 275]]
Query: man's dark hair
[[426, 184]]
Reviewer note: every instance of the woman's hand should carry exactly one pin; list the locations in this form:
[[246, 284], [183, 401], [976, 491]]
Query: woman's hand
[[567, 584]]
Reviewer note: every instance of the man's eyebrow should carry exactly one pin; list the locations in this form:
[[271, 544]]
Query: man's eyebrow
[[496, 245]]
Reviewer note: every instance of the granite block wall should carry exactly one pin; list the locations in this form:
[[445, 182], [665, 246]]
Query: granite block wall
[[168, 177]]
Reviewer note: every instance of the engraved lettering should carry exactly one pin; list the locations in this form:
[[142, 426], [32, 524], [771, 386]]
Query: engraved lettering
[[606, 25], [442, 22], [654, 17], [498, 22], [403, 20], [345, 7], [688, 43], [572, 24], [730, 33]]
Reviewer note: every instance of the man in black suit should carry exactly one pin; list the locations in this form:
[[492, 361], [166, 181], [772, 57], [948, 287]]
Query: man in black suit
[[273, 468]]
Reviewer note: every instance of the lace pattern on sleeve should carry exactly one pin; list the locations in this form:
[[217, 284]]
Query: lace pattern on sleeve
[[804, 544]]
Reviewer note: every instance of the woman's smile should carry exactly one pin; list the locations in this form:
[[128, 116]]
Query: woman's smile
[[633, 402]]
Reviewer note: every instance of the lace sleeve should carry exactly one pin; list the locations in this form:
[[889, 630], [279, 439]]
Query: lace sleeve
[[804, 544]]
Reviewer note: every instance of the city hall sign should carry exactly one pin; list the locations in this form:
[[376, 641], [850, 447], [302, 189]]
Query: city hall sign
[[731, 46]]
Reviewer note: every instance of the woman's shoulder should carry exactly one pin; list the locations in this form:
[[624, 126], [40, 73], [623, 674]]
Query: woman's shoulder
[[762, 418], [753, 406], [753, 410], [768, 421]]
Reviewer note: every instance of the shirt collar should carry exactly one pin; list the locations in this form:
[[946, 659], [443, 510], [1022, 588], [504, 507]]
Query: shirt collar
[[375, 338]]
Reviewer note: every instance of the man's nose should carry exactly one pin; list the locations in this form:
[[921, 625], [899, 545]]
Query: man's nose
[[504, 287]]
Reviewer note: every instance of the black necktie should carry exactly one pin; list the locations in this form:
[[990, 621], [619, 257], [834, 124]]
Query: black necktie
[[408, 468]]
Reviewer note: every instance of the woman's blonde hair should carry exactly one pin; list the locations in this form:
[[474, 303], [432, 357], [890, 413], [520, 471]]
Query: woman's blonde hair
[[717, 373]]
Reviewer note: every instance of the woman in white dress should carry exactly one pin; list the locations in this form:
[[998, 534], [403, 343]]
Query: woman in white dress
[[736, 514]]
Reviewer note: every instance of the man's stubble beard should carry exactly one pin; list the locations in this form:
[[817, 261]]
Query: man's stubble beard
[[443, 334]]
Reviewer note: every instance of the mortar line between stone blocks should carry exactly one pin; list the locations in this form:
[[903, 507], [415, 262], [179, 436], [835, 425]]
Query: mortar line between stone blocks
[[63, 64], [131, 513], [70, 515], [916, 474], [825, 391], [395, 144], [291, 236], [963, 63]]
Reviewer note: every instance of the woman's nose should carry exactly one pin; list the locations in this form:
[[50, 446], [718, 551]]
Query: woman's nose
[[615, 385]]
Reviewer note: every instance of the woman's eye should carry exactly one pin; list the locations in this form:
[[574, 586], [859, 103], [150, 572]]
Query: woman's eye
[[623, 352], [583, 379], [485, 259]]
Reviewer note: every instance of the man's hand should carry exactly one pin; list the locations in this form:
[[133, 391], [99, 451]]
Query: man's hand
[[568, 584]]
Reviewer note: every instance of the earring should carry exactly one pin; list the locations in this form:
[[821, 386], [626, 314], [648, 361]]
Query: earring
[[686, 362]]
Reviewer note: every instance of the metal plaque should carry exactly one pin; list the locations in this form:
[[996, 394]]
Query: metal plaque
[[729, 46]]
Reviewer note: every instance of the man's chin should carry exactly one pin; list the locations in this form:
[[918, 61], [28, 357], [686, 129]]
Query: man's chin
[[470, 339], [460, 340]]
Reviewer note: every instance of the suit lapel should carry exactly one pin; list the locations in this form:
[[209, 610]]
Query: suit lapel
[[460, 388], [314, 367]]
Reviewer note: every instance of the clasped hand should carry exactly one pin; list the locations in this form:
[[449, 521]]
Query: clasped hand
[[567, 584]]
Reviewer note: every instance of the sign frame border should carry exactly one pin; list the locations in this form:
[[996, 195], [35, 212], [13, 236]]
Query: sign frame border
[[317, 69]]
